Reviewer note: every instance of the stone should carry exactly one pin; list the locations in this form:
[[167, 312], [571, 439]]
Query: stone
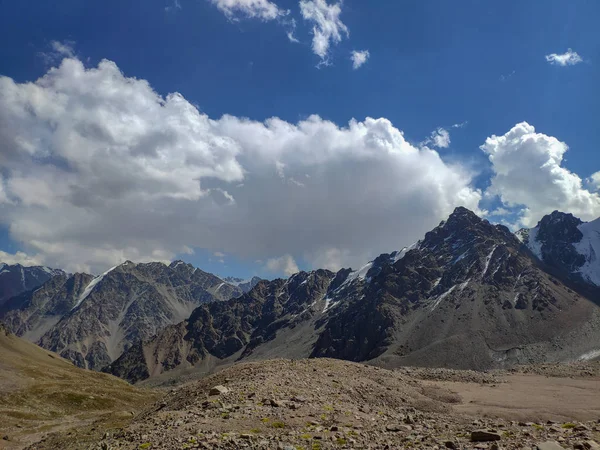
[[549, 445], [484, 436], [218, 390], [591, 445], [449, 444]]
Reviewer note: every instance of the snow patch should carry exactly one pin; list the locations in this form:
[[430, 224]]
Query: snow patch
[[399, 255], [90, 287], [461, 257], [534, 245], [516, 298], [589, 355], [488, 259], [589, 247], [441, 297]]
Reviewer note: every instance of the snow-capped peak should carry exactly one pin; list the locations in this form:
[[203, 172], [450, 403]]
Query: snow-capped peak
[[565, 238], [589, 247]]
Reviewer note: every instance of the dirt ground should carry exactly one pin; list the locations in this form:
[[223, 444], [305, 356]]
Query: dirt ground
[[531, 398]]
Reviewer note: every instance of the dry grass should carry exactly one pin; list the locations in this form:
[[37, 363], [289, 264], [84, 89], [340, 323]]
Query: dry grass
[[41, 393]]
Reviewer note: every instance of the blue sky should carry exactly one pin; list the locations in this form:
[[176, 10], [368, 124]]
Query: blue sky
[[431, 64]]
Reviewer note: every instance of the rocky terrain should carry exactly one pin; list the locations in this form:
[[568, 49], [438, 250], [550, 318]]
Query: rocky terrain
[[331, 404], [15, 279], [92, 320], [467, 296]]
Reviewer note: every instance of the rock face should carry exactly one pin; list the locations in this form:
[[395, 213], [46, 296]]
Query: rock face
[[469, 295], [16, 279], [244, 285], [567, 244], [31, 314], [92, 320]]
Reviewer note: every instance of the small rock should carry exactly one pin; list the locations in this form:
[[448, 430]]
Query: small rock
[[550, 445], [270, 402], [396, 428], [591, 445], [5, 437], [484, 436], [449, 444], [218, 390]]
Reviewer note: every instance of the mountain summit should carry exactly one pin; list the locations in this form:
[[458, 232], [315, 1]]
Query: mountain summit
[[468, 295], [567, 244]]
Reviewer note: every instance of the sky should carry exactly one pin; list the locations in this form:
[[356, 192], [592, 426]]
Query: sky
[[263, 137]]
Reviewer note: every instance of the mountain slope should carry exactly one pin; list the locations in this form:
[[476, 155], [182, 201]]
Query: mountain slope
[[31, 314], [92, 320], [469, 295], [16, 279], [41, 393]]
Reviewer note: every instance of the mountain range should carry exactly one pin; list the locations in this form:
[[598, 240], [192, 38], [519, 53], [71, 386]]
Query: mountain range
[[92, 320], [469, 295], [15, 279]]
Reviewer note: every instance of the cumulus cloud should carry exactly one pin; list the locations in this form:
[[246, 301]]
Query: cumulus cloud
[[328, 28], [528, 175], [284, 264], [21, 258], [261, 9], [58, 50], [359, 58], [99, 169], [440, 137], [569, 58], [593, 181]]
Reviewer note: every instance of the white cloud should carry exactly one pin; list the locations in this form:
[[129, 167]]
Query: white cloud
[[440, 137], [261, 9], [58, 51], [569, 58], [3, 197], [173, 6], [99, 169], [359, 58], [327, 27], [63, 48], [21, 258], [284, 264], [528, 175], [593, 181], [506, 77], [330, 258], [500, 212]]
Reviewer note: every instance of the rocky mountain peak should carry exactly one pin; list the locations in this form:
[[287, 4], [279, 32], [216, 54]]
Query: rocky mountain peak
[[559, 226], [565, 243]]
